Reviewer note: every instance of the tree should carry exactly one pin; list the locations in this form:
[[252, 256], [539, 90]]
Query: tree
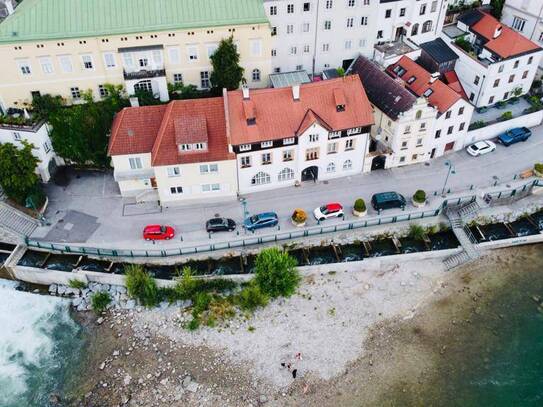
[[276, 272], [497, 8], [80, 132], [18, 171], [226, 70]]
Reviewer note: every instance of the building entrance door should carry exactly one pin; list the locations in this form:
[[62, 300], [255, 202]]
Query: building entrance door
[[310, 174]]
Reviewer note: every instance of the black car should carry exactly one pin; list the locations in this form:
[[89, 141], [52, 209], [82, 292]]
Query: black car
[[220, 225], [387, 200]]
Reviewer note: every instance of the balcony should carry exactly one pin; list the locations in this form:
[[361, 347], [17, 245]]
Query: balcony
[[144, 74], [132, 175]]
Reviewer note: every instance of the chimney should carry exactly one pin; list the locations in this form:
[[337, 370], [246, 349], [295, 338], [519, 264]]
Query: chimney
[[296, 92], [497, 31], [245, 91], [134, 102], [434, 77], [9, 6]]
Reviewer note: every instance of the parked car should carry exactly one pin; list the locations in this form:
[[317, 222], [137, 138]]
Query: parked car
[[158, 232], [261, 220], [481, 148], [387, 200], [514, 136], [331, 210], [220, 225]]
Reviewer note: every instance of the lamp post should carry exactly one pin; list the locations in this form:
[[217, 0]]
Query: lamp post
[[29, 203], [450, 171]]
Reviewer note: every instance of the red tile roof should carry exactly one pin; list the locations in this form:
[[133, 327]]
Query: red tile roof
[[278, 115], [134, 130], [442, 96], [451, 79], [160, 128], [508, 44]]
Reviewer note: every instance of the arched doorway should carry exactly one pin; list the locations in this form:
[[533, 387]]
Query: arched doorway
[[310, 174], [378, 163]]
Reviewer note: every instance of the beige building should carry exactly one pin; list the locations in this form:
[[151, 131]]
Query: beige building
[[67, 46]]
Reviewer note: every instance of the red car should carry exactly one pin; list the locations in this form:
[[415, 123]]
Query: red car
[[158, 232]]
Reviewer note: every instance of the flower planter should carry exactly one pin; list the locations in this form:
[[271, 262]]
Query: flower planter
[[418, 204], [298, 225], [538, 174], [359, 214]]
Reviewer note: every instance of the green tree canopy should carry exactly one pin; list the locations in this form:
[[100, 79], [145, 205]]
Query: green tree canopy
[[18, 171], [497, 8], [276, 272], [227, 73]]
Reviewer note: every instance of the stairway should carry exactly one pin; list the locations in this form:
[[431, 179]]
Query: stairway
[[15, 221], [463, 234]]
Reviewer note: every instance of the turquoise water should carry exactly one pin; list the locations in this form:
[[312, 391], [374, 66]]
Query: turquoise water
[[40, 347]]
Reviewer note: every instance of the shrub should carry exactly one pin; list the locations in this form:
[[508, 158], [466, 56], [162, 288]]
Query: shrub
[[359, 205], [501, 104], [186, 286], [340, 71], [252, 297], [201, 303], [141, 285], [78, 284], [419, 196], [416, 232], [276, 273], [477, 124], [539, 168], [99, 301], [194, 324], [506, 116], [299, 216], [464, 44]]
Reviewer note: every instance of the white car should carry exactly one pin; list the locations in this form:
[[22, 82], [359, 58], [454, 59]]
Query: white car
[[330, 210], [480, 148]]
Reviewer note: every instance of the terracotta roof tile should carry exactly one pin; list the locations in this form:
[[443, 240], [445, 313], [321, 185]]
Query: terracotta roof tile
[[190, 128], [278, 115], [418, 80]]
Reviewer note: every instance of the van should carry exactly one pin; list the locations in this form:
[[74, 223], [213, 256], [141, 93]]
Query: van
[[387, 200]]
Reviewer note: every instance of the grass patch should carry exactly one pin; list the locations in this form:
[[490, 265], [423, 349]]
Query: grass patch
[[251, 298], [99, 301], [77, 284], [141, 285]]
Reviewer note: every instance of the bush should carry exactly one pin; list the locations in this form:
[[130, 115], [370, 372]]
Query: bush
[[186, 286], [252, 297], [539, 168], [299, 216], [141, 285], [78, 284], [276, 273], [464, 44], [416, 232], [477, 124], [359, 205], [506, 116], [99, 301], [419, 196]]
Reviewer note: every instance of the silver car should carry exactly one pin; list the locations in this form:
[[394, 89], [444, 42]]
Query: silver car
[[480, 148]]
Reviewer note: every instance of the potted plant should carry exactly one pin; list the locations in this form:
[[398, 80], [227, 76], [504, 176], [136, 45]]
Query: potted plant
[[538, 170], [359, 208], [299, 217], [419, 198]]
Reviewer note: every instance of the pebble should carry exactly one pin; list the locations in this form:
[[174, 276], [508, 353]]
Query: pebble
[[100, 320]]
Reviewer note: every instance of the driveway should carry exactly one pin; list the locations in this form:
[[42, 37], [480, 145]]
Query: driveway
[[110, 223]]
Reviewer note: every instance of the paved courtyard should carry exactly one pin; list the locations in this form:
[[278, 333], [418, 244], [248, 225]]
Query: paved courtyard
[[494, 113], [98, 216]]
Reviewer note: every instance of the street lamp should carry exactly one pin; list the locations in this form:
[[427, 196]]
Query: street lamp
[[450, 171], [244, 208]]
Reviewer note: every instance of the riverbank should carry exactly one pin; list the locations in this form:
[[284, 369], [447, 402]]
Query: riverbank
[[373, 336]]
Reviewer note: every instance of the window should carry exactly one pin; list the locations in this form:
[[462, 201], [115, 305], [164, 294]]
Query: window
[[379, 34], [349, 144], [143, 62], [256, 75], [476, 80], [518, 23], [273, 31], [209, 168], [245, 147], [290, 8], [350, 3], [350, 22], [46, 147], [306, 49], [427, 26], [109, 60], [290, 29], [287, 155], [402, 159], [530, 60], [87, 62], [471, 96], [438, 134], [307, 6], [24, 67], [174, 172], [204, 80], [515, 66], [506, 96], [102, 91], [428, 92], [175, 55], [305, 27], [461, 111], [286, 174], [491, 100], [540, 37], [347, 165], [331, 167], [211, 187], [418, 115], [312, 154], [422, 127], [273, 10], [76, 93], [176, 190], [178, 78], [422, 9], [200, 146], [450, 129], [211, 48], [17, 136], [256, 48], [524, 74], [327, 25], [46, 65], [419, 142], [500, 69], [433, 8], [411, 80], [289, 140], [388, 13], [65, 63], [329, 4], [266, 144], [407, 129], [245, 162], [402, 12], [261, 178], [313, 138], [143, 86], [128, 60], [332, 148], [293, 50], [325, 47], [348, 44], [448, 115], [362, 43], [414, 157], [461, 127], [192, 52], [511, 78], [266, 159], [404, 145], [364, 20], [135, 163]]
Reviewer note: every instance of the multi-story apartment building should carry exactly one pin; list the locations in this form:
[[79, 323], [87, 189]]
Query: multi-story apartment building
[[453, 113], [526, 17], [319, 34], [67, 46], [246, 141], [495, 62]]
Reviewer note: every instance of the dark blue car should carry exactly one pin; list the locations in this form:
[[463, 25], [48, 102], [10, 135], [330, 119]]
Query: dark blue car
[[514, 136], [262, 220]]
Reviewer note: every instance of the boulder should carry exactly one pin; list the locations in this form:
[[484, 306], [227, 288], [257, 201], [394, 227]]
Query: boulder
[[53, 289], [130, 304], [76, 301], [61, 289]]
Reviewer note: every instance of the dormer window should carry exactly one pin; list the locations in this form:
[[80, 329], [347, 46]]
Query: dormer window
[[245, 147], [266, 144], [340, 108], [251, 121], [288, 141], [398, 70], [193, 147], [411, 80], [428, 92]]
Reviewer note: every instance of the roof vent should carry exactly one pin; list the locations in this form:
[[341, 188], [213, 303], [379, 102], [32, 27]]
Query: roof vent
[[397, 99], [130, 133], [245, 91], [497, 31], [296, 92]]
